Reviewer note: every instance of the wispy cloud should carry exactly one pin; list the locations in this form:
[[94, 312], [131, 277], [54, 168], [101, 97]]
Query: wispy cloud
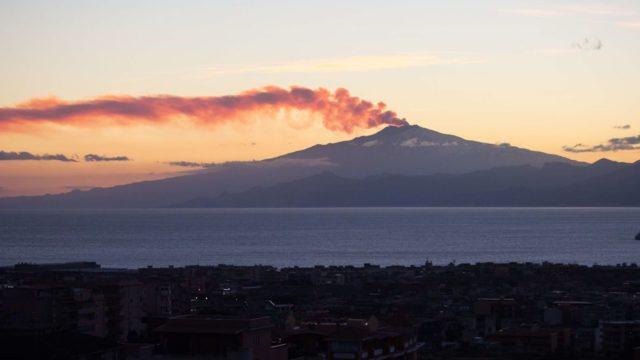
[[634, 25], [600, 10], [275, 163], [622, 127], [616, 15], [555, 51], [346, 64], [191, 164], [615, 144], [79, 188], [586, 44], [98, 158], [597, 9], [24, 155], [534, 12]]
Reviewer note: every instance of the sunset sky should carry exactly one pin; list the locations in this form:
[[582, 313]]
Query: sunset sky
[[537, 74]]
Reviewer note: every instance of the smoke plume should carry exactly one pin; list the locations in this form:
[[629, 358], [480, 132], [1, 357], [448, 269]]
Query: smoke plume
[[339, 110]]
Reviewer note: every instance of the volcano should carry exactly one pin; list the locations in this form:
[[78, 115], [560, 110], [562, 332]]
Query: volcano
[[405, 150]]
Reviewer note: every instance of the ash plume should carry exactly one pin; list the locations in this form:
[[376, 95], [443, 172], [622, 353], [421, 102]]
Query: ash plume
[[339, 110]]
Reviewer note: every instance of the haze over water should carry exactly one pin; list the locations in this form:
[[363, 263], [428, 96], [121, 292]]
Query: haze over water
[[329, 236]]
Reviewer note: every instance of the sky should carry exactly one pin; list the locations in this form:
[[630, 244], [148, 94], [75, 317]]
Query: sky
[[554, 76]]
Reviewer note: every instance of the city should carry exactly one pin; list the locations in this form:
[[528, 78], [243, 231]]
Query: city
[[457, 311]]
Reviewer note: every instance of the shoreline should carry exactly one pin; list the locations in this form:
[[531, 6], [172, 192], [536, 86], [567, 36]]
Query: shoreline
[[92, 266]]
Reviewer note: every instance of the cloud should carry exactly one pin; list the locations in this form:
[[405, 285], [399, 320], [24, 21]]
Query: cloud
[[94, 157], [614, 15], [572, 10], [191, 164], [534, 12], [596, 9], [23, 155], [556, 51], [588, 45], [345, 64], [633, 25], [283, 162], [79, 188], [615, 144], [339, 110], [270, 163], [622, 127]]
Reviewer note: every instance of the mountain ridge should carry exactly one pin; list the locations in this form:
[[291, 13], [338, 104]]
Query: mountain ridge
[[405, 150], [508, 186]]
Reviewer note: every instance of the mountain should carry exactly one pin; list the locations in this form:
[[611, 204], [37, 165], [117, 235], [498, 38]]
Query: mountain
[[406, 150], [603, 183], [413, 150]]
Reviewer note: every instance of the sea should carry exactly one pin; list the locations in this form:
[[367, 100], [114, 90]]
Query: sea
[[320, 236]]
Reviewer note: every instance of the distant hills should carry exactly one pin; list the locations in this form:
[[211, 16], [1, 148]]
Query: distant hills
[[604, 183], [397, 166]]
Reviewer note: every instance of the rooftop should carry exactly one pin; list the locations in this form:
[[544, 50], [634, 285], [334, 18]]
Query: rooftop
[[213, 324]]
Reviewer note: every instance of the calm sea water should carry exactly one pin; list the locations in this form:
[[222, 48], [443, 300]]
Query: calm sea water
[[285, 237]]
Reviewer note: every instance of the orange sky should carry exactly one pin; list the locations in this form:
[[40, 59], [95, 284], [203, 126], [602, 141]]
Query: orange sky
[[537, 74]]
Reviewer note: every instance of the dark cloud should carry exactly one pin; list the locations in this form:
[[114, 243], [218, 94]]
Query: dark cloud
[[23, 155], [615, 144], [94, 157], [191, 164], [588, 45], [623, 127]]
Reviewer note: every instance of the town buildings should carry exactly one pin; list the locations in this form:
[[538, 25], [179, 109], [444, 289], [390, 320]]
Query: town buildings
[[492, 311]]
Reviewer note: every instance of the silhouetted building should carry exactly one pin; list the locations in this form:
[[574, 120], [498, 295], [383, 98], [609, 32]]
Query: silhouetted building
[[123, 299], [620, 337], [494, 314], [58, 345], [38, 307], [531, 341], [220, 337]]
